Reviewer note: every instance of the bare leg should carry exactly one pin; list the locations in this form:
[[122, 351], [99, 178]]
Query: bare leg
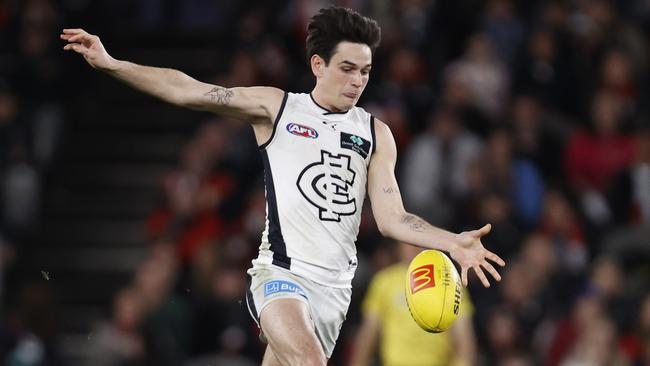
[[269, 358], [288, 328]]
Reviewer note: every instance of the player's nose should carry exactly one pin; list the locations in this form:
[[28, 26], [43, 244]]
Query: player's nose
[[357, 80]]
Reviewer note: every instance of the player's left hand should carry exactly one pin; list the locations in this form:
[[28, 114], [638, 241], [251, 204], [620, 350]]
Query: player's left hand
[[470, 253]]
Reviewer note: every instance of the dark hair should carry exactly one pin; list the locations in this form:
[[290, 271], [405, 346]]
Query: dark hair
[[337, 24]]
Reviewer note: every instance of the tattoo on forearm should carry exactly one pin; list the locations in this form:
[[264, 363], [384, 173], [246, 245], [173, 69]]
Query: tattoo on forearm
[[220, 95], [390, 190], [414, 222]]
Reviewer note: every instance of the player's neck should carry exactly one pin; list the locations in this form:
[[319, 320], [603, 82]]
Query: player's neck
[[323, 102]]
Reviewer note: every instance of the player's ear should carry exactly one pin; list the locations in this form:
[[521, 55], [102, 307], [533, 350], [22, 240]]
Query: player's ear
[[317, 66]]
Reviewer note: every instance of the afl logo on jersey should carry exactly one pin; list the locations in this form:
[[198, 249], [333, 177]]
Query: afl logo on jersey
[[301, 130]]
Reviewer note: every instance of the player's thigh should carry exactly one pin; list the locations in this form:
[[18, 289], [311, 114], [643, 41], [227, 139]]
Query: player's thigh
[[289, 330], [269, 358]]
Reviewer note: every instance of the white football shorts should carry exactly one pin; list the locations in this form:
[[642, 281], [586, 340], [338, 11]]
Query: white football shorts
[[328, 306]]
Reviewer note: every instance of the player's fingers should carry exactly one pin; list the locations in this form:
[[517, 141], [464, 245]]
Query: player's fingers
[[73, 30], [479, 272], [484, 230], [495, 258], [463, 275], [480, 232], [76, 47], [488, 267], [80, 38]]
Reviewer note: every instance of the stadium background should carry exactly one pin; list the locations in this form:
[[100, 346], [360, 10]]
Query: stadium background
[[127, 224]]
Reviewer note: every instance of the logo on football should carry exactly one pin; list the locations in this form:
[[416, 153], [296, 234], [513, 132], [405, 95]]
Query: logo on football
[[422, 278], [433, 291]]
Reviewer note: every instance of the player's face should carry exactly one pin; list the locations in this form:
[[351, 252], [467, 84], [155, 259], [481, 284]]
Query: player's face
[[347, 74]]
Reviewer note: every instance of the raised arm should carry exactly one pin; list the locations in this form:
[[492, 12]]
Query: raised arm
[[393, 221], [258, 105]]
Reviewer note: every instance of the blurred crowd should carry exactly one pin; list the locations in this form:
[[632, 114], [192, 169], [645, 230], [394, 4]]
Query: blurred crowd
[[529, 115], [31, 127]]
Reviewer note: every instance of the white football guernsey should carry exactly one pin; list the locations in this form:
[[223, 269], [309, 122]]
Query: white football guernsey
[[315, 174]]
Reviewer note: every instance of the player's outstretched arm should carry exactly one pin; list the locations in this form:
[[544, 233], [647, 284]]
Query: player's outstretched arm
[[255, 104], [393, 221]]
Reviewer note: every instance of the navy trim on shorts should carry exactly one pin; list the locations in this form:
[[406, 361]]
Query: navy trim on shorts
[[251, 303], [372, 133], [275, 123], [278, 246]]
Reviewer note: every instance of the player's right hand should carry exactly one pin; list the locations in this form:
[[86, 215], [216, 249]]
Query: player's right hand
[[89, 46], [470, 253]]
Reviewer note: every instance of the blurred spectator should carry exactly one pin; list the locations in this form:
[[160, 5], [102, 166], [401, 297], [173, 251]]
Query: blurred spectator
[[539, 258], [568, 330], [35, 333], [446, 150], [545, 70], [629, 195], [618, 80], [39, 76], [404, 80], [20, 194], [403, 22], [194, 193], [637, 343], [273, 64], [484, 76], [118, 342], [223, 334], [538, 136], [559, 223], [504, 29], [387, 322], [516, 179], [596, 345], [593, 158], [503, 336], [166, 328], [393, 114], [521, 305]]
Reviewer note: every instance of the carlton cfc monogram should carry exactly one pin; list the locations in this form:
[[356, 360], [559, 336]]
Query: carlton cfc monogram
[[325, 184]]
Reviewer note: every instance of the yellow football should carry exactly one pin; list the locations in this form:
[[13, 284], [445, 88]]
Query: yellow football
[[433, 291]]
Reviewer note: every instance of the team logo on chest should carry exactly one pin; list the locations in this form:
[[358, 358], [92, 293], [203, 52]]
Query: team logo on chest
[[300, 130], [326, 184], [355, 143]]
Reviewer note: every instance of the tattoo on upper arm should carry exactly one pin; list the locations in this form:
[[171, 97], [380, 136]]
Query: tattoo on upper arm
[[389, 190], [414, 222], [220, 95]]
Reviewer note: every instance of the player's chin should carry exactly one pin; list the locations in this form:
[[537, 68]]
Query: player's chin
[[349, 103]]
